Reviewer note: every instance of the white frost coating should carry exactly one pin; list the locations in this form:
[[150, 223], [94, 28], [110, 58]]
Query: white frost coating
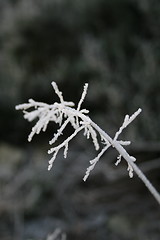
[[63, 113], [93, 134], [119, 158], [55, 150], [94, 162], [59, 132], [83, 96], [124, 143], [57, 92], [127, 121]]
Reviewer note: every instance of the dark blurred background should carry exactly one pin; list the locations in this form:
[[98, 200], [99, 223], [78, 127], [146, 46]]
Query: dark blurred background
[[115, 47]]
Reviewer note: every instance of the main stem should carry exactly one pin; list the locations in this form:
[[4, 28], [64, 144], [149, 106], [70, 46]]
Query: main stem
[[128, 158]]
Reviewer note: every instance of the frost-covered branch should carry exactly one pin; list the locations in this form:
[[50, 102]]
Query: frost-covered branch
[[64, 113]]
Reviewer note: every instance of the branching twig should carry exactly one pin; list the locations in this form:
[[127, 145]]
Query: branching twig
[[64, 113]]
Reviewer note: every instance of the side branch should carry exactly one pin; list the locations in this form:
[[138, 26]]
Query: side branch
[[129, 160]]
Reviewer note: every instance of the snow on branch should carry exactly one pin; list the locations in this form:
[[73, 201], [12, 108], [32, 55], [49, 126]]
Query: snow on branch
[[63, 113]]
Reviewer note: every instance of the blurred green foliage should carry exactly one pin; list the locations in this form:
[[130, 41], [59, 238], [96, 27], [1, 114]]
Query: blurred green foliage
[[113, 45]]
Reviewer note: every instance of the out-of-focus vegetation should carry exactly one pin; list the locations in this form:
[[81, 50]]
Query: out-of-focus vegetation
[[113, 45]]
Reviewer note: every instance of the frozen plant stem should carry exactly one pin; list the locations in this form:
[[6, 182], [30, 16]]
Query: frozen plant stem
[[64, 113], [128, 158]]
